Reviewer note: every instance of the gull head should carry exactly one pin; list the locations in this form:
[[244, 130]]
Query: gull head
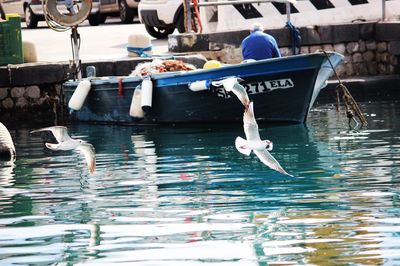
[[268, 145]]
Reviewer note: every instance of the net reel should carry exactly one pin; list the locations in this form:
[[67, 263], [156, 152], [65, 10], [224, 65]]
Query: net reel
[[69, 16]]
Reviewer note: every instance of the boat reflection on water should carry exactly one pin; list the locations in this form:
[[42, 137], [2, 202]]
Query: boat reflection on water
[[183, 195]]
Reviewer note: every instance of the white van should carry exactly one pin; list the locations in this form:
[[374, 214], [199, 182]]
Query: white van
[[161, 17]]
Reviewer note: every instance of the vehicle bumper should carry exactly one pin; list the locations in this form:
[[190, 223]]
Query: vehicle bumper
[[37, 9], [133, 3]]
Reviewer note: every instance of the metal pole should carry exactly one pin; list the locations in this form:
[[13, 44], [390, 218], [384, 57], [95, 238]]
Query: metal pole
[[383, 10], [188, 15], [75, 52], [288, 11]]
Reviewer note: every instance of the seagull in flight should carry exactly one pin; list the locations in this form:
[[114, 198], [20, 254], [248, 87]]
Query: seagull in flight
[[254, 143], [7, 148], [65, 142], [232, 84]]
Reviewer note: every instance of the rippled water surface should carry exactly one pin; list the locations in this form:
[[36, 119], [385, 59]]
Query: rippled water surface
[[185, 196]]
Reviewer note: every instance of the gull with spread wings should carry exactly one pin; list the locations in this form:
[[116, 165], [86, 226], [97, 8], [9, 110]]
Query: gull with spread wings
[[65, 142], [254, 143]]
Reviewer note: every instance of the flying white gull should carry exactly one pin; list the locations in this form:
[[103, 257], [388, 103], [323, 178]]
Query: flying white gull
[[65, 142], [254, 143], [7, 148], [231, 84]]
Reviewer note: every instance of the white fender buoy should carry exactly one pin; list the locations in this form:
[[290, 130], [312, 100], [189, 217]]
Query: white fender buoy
[[147, 94], [200, 85], [79, 95], [136, 110], [7, 148]]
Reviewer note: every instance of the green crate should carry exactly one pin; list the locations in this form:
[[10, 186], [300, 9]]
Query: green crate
[[11, 40]]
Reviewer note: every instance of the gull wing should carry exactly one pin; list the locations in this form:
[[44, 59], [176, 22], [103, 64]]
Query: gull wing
[[250, 125], [241, 146], [231, 84], [270, 161], [88, 151], [59, 132]]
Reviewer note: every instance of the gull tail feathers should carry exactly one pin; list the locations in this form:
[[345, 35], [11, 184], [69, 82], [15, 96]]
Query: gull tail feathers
[[231, 84], [241, 146]]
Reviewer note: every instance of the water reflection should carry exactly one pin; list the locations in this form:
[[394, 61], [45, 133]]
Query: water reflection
[[185, 196]]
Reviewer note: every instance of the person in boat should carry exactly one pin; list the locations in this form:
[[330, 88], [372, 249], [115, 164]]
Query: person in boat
[[259, 45]]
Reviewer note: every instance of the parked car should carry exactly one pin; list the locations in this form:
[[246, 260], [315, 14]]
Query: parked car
[[32, 10], [162, 17], [125, 9]]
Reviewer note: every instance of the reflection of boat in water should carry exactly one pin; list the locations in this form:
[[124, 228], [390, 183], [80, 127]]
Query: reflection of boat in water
[[283, 89], [196, 148]]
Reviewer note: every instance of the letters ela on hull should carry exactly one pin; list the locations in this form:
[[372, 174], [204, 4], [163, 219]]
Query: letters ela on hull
[[259, 87]]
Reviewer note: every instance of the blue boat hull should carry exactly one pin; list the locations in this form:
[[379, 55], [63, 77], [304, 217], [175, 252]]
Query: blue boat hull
[[283, 90]]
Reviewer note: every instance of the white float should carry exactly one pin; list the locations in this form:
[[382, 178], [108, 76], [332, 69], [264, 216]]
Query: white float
[[147, 94], [136, 110], [200, 85], [79, 95]]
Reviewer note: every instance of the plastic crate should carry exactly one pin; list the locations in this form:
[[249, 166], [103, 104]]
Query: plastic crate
[[11, 40]]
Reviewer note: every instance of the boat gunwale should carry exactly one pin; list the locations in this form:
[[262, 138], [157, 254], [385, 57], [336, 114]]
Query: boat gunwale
[[96, 81]]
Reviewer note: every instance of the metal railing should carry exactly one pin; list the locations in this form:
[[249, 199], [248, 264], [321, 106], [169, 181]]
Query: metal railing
[[288, 2]]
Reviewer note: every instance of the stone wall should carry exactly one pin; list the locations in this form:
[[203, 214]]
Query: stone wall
[[369, 48], [31, 104], [362, 58]]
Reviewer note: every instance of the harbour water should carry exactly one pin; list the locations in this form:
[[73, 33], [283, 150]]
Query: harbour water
[[183, 195]]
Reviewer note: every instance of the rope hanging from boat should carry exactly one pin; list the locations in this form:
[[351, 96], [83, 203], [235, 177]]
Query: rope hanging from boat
[[295, 36], [350, 104]]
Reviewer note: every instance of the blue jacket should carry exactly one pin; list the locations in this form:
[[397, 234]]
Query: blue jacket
[[259, 45]]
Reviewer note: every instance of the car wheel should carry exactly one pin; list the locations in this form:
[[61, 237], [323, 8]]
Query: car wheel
[[103, 18], [180, 23], [126, 14], [159, 32], [31, 19], [95, 19]]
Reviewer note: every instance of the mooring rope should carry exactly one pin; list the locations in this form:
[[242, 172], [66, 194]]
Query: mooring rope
[[351, 105]]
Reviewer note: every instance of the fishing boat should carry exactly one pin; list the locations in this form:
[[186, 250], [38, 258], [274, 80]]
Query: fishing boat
[[282, 89]]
